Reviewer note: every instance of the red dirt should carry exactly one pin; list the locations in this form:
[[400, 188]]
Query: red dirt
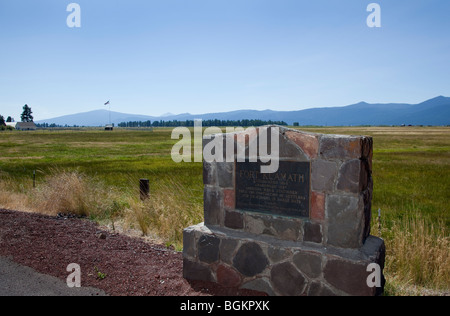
[[132, 267]]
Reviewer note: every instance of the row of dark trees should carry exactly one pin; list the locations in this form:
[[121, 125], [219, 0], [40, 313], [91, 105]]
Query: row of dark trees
[[53, 125], [205, 123], [136, 124]]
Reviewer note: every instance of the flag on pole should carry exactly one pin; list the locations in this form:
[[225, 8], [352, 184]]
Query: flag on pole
[[107, 103]]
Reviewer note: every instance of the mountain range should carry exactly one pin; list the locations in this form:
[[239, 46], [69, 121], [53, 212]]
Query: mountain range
[[435, 111]]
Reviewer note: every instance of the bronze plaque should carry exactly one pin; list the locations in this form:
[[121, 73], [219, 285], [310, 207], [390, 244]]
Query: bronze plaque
[[285, 192]]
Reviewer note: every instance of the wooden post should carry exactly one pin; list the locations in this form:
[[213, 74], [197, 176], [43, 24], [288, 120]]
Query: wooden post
[[144, 187], [34, 178]]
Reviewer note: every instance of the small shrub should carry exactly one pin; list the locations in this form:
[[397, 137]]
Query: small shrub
[[100, 275], [6, 128]]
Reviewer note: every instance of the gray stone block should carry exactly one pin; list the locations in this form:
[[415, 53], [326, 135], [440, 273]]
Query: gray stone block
[[349, 277], [323, 175], [196, 271], [250, 260], [345, 220], [227, 250], [287, 280], [209, 173], [225, 174], [278, 254], [313, 233], [234, 220], [257, 224], [189, 249], [309, 263], [213, 206], [282, 228], [374, 250], [208, 249], [319, 289], [349, 176], [287, 229], [260, 285]]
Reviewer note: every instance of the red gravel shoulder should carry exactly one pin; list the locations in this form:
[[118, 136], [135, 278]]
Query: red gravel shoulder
[[132, 267]]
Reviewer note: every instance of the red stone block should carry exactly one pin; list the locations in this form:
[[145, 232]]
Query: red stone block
[[340, 147], [308, 143], [229, 199], [228, 277], [317, 206]]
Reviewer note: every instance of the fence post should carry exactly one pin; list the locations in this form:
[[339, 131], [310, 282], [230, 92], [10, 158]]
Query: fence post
[[144, 187]]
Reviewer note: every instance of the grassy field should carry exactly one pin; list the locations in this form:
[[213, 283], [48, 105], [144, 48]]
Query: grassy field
[[100, 171]]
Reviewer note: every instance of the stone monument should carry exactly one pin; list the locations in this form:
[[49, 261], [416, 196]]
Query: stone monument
[[302, 230]]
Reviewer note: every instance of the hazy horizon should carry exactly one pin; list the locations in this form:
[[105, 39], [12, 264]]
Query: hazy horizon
[[190, 113], [199, 56]]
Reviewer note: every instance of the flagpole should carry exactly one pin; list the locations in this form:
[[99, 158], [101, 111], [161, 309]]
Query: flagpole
[[109, 104]]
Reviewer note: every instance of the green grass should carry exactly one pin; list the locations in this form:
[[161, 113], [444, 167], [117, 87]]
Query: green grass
[[411, 171], [115, 157]]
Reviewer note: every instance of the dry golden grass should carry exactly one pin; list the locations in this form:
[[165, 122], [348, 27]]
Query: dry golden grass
[[12, 197], [169, 210], [165, 214], [61, 192], [66, 192], [418, 256]]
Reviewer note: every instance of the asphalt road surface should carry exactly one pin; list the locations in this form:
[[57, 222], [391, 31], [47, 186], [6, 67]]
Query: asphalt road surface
[[17, 280]]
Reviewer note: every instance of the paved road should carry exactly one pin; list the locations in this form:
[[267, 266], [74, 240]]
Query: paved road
[[17, 280]]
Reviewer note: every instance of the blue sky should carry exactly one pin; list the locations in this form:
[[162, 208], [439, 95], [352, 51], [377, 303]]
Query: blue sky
[[153, 57]]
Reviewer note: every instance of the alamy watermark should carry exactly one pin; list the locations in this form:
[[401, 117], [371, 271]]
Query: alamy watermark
[[374, 278], [74, 278], [238, 144], [374, 18], [74, 18]]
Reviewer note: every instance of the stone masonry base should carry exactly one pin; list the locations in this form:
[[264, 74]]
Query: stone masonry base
[[277, 267]]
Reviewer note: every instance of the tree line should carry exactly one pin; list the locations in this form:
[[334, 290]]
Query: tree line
[[53, 125], [205, 123], [26, 116]]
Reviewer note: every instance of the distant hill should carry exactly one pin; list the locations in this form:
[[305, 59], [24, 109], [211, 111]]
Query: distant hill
[[435, 111], [94, 118]]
